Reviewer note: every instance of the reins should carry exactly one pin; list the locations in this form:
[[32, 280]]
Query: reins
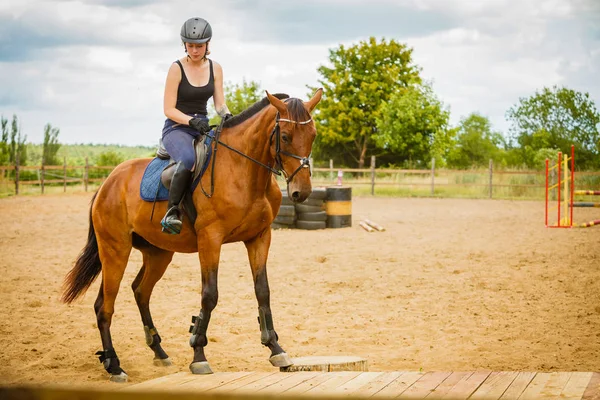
[[304, 161]]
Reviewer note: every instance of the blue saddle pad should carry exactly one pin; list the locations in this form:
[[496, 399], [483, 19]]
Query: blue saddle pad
[[151, 179]]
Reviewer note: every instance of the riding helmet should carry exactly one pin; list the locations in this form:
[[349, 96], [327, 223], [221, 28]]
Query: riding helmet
[[196, 30]]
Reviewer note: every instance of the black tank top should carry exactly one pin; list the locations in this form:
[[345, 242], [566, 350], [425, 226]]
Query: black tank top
[[193, 99]]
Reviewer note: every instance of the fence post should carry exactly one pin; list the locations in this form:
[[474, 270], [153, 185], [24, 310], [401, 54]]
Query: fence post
[[491, 176], [432, 176], [65, 174], [85, 174], [331, 175], [372, 175], [17, 173], [42, 175]]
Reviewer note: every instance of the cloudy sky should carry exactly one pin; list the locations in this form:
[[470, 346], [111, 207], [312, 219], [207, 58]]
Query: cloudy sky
[[96, 68]]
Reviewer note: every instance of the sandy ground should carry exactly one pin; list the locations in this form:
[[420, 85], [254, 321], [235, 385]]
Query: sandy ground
[[450, 285]]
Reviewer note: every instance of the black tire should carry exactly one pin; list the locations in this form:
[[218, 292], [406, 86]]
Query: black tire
[[285, 211], [286, 220], [318, 194], [275, 225], [312, 202], [303, 208], [315, 216], [311, 225], [285, 200]]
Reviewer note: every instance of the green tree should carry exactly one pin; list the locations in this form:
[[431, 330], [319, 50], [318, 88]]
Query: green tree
[[16, 145], [4, 145], [238, 97], [476, 143], [51, 145], [554, 119], [109, 158], [360, 79], [413, 125]]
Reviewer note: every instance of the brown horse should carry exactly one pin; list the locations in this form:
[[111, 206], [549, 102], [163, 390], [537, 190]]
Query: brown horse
[[275, 136]]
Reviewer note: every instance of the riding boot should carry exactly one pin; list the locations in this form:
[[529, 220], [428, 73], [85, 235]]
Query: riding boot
[[172, 221]]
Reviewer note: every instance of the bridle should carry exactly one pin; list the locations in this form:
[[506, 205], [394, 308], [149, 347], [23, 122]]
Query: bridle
[[279, 171]]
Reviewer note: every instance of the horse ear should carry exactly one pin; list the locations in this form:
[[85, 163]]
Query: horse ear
[[311, 104], [279, 105]]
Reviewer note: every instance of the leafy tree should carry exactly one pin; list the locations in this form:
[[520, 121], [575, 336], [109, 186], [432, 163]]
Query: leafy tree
[[413, 125], [238, 97], [360, 79], [476, 143], [109, 158], [554, 119], [17, 143], [51, 145], [4, 148]]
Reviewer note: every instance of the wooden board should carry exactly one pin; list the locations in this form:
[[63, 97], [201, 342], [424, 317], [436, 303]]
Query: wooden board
[[327, 364], [396, 384]]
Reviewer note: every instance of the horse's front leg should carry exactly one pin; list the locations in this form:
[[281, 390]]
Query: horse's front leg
[[258, 251], [209, 252]]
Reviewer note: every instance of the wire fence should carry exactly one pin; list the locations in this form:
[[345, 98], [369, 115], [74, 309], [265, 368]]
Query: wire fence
[[433, 182]]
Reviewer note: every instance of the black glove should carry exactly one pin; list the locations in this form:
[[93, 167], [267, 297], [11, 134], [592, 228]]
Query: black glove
[[227, 116], [200, 124]]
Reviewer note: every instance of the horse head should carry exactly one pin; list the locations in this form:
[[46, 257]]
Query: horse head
[[292, 140]]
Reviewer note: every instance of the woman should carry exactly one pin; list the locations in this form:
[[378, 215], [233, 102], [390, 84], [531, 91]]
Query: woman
[[191, 82]]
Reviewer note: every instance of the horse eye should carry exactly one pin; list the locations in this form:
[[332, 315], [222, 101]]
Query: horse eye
[[285, 138]]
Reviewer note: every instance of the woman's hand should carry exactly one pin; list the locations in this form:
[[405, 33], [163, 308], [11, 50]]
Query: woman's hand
[[200, 124]]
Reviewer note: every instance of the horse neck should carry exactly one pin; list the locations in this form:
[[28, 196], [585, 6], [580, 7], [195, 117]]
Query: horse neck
[[252, 138]]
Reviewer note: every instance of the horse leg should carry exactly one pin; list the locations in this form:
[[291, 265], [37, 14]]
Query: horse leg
[[114, 260], [258, 251], [209, 264], [155, 264]]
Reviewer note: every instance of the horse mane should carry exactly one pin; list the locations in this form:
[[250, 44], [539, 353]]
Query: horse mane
[[252, 110]]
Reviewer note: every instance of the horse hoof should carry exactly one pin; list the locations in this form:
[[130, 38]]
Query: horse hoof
[[200, 368], [281, 360], [122, 377], [162, 362]]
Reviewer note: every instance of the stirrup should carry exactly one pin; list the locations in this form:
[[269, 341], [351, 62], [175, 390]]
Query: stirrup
[[166, 224]]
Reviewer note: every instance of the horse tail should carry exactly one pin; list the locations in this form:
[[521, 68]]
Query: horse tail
[[86, 268]]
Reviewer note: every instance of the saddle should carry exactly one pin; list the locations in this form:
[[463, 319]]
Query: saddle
[[202, 146]]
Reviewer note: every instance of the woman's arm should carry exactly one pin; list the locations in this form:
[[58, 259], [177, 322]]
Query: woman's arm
[[219, 96], [170, 99]]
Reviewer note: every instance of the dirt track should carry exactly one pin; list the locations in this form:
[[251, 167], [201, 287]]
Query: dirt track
[[450, 285]]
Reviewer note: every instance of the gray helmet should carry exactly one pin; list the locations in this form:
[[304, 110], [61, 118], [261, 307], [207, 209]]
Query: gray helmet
[[196, 30]]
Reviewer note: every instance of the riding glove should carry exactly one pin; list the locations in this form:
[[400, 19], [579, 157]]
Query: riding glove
[[200, 124]]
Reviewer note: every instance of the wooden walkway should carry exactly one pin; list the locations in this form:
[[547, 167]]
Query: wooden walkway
[[413, 385]]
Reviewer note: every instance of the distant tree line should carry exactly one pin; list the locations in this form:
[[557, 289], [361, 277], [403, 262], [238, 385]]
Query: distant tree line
[[375, 103]]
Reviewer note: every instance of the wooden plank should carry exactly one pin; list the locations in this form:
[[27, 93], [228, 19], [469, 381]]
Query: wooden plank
[[253, 377], [356, 383], [378, 384], [592, 391], [330, 385], [518, 385], [495, 385], [207, 382], [535, 386], [555, 385], [292, 380], [172, 379], [425, 385], [400, 384], [448, 384], [576, 386], [268, 380], [466, 387], [310, 383]]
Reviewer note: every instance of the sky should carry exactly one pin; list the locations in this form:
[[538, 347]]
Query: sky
[[96, 69]]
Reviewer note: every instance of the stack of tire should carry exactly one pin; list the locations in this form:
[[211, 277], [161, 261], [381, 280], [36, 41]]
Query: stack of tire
[[286, 218], [311, 213]]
